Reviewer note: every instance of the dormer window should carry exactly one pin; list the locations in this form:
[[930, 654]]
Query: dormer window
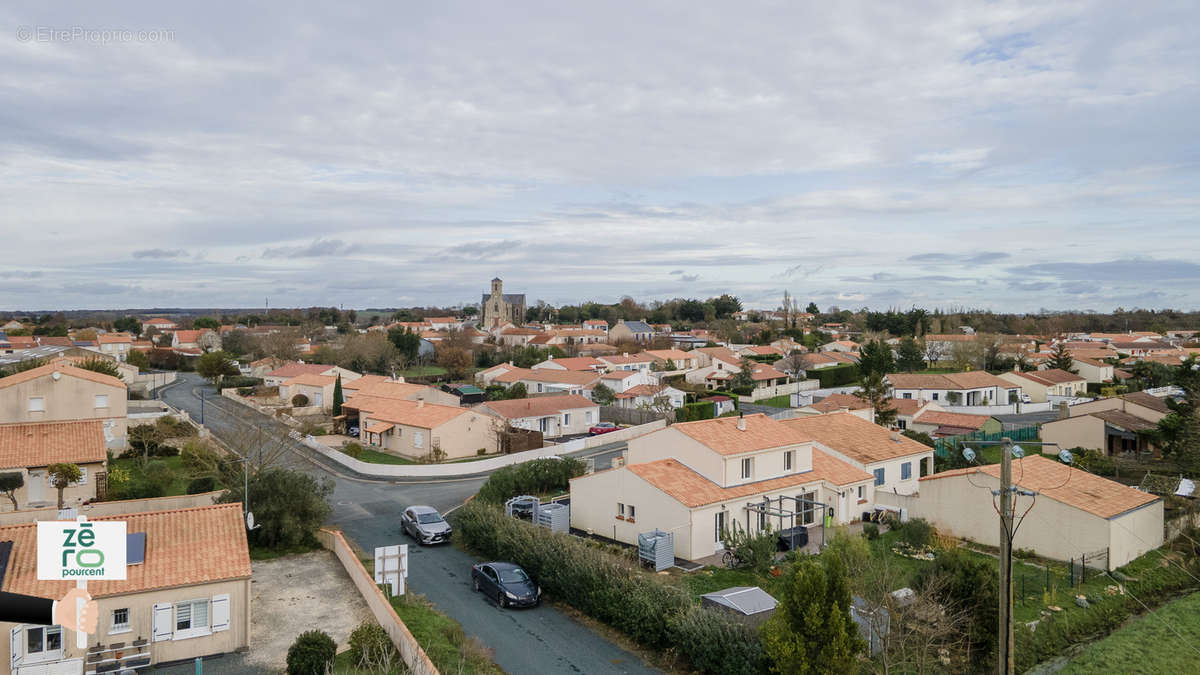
[[747, 468]]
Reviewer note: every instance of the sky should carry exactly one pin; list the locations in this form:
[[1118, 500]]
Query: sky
[[1004, 155]]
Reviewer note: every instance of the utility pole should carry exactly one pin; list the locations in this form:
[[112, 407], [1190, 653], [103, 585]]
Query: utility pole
[[1005, 661]]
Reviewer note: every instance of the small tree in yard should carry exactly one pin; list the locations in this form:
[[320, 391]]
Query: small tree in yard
[[62, 475], [811, 630], [756, 551], [311, 654], [138, 358], [910, 356], [337, 395], [873, 389], [215, 365], [602, 395], [10, 482], [289, 506]]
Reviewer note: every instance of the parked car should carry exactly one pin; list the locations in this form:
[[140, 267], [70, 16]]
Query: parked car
[[1025, 398], [352, 430], [507, 583], [602, 428], [425, 524]]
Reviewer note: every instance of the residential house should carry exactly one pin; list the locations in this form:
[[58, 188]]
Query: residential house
[[30, 448], [386, 387], [60, 392], [894, 460], [955, 389], [517, 337], [631, 331], [582, 363], [1093, 371], [553, 416], [1113, 432], [576, 337], [673, 359], [907, 410], [841, 346], [186, 595], [160, 324], [649, 395], [116, 345], [1040, 385], [1145, 347], [839, 402], [699, 480], [819, 360], [1100, 515], [292, 369], [417, 429], [1138, 403], [443, 323], [622, 380], [643, 361], [547, 381], [596, 324], [939, 423], [204, 339], [761, 350]]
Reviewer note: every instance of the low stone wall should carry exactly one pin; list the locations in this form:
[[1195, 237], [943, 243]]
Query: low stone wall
[[780, 390], [114, 508], [410, 650], [1176, 526]]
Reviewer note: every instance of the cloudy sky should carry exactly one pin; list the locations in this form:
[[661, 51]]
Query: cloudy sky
[[987, 154]]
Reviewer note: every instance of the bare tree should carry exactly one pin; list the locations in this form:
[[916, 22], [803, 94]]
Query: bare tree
[[915, 633], [793, 364]]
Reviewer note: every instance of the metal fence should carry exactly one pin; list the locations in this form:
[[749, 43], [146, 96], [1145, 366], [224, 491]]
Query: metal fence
[[945, 447]]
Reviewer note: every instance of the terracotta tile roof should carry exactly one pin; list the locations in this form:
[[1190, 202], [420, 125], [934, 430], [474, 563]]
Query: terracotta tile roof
[[1147, 401], [1088, 492], [401, 411], [538, 406], [66, 369], [1049, 376], [46, 443], [578, 363], [184, 547], [627, 359], [950, 381], [676, 355], [158, 320], [189, 336], [312, 380], [949, 419], [1090, 361], [855, 437], [642, 390], [440, 319], [721, 354], [543, 339], [835, 402], [762, 371], [620, 374], [547, 375], [906, 406], [949, 337], [764, 350], [722, 435], [22, 341], [378, 427], [693, 490], [50, 341], [519, 331], [114, 338], [1125, 420], [296, 368]]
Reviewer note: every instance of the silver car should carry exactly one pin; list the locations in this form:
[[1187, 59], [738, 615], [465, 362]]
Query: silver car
[[425, 524]]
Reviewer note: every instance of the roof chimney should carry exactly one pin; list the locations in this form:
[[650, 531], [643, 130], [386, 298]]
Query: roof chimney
[[895, 435], [741, 423], [1064, 410], [420, 403]]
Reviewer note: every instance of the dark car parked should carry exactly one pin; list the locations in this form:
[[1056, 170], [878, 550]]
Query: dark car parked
[[507, 583], [425, 524]]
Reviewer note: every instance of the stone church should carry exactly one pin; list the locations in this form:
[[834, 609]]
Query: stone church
[[500, 307]]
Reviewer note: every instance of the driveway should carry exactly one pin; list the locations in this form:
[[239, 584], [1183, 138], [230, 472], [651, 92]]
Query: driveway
[[541, 640]]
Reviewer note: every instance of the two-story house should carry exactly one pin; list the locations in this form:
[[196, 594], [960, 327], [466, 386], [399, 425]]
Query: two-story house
[[553, 416], [697, 479], [1042, 384], [116, 345], [896, 461], [60, 392], [955, 389]]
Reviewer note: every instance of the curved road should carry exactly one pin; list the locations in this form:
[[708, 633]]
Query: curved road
[[540, 640]]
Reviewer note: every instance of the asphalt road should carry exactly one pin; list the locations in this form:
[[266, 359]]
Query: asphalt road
[[538, 640]]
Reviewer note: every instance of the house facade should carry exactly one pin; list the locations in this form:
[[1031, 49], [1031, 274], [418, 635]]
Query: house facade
[[650, 395], [30, 448], [896, 462], [553, 416], [1040, 385], [415, 428], [631, 331], [955, 389], [60, 392], [189, 597]]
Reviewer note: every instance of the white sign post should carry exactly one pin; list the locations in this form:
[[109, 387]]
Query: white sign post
[[80, 550], [391, 567]]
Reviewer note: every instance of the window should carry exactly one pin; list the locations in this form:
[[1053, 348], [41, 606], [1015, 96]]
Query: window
[[566, 419], [587, 417], [632, 512], [787, 460], [902, 424], [719, 525], [862, 489], [120, 621], [935, 396], [43, 643], [101, 401], [907, 394], [37, 404], [620, 509], [539, 386], [879, 476], [906, 471], [418, 439], [82, 476], [747, 468], [808, 507], [191, 618]]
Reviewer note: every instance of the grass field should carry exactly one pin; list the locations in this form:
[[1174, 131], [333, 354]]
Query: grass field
[[177, 486], [376, 457], [1148, 644], [783, 401], [423, 371]]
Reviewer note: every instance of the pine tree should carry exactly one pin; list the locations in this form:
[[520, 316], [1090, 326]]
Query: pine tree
[[911, 356], [1061, 358], [876, 358], [811, 630], [337, 395], [874, 390]]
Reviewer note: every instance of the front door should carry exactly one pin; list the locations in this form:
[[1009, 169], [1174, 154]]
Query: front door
[[320, 399], [36, 483], [719, 525]]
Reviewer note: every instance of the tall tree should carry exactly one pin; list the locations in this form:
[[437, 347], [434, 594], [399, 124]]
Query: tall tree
[[1060, 357], [137, 357], [102, 366], [337, 395], [911, 357], [1179, 432], [812, 308], [207, 322], [876, 357], [811, 630], [725, 305], [875, 391], [215, 365], [129, 325], [602, 395], [408, 343]]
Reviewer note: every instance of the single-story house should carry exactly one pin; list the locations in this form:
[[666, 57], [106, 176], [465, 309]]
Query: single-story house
[[204, 339], [955, 389], [697, 479], [548, 381], [1042, 384], [554, 416], [186, 595], [895, 461], [1075, 512], [839, 402], [1138, 403], [30, 448], [287, 371], [647, 395], [938, 423], [572, 363], [841, 346], [1113, 432]]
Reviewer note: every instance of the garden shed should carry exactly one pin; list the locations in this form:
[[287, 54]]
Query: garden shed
[[750, 604]]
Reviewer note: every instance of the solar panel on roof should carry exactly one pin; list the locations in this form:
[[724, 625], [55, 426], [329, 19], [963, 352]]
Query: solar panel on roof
[[135, 548]]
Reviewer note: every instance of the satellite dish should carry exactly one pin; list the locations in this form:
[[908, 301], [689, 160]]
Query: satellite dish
[[250, 521], [1066, 457], [969, 454], [1018, 452], [56, 376]]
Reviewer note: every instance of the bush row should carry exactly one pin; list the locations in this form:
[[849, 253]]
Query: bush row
[[536, 477], [612, 590], [836, 376], [692, 412]]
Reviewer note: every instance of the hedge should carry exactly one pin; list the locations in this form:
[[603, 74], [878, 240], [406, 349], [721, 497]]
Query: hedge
[[692, 412], [836, 376], [611, 589], [535, 477]]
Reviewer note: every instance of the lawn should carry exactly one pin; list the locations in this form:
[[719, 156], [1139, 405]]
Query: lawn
[[781, 401], [1147, 644], [443, 638], [176, 487], [377, 457], [423, 371]]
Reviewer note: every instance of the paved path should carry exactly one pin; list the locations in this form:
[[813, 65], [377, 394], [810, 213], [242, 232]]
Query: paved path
[[540, 640]]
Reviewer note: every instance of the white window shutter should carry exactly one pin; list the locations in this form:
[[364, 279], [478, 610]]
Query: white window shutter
[[162, 621], [15, 643], [220, 612]]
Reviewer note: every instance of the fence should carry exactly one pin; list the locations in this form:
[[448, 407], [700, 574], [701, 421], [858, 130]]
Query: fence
[[944, 447], [1097, 560], [410, 650], [113, 508], [634, 416], [1010, 409]]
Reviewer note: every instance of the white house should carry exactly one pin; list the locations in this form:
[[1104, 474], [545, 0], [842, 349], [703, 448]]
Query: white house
[[554, 416], [955, 389], [649, 395], [896, 461], [1041, 384]]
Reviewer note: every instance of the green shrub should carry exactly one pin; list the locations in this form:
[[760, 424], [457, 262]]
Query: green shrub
[[299, 401], [139, 488], [871, 531], [311, 654], [202, 484], [370, 646], [536, 477], [353, 449], [756, 551], [240, 382], [608, 588], [837, 376], [917, 532], [692, 412]]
